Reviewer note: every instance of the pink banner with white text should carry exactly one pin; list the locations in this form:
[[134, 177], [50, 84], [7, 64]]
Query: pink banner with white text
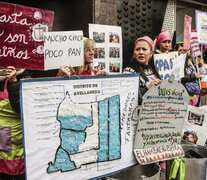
[[187, 30], [21, 35]]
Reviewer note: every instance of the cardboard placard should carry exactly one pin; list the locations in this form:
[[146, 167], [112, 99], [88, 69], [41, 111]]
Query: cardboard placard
[[160, 123], [63, 48], [194, 130]]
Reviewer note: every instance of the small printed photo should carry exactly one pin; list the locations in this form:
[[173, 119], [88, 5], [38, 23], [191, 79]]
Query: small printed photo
[[113, 37], [114, 52], [98, 66], [99, 53], [99, 37], [190, 136], [114, 67], [195, 118]]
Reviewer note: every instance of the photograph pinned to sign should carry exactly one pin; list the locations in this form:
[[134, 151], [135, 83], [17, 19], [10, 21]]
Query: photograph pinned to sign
[[63, 48], [21, 35], [160, 123]]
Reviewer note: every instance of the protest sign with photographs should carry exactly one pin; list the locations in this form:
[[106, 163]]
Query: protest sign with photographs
[[108, 48], [160, 123], [194, 129], [21, 35]]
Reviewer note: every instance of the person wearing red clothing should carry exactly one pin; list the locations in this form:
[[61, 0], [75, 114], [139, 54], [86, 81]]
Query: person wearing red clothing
[[86, 69]]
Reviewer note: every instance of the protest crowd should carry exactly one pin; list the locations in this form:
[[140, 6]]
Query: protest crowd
[[142, 62]]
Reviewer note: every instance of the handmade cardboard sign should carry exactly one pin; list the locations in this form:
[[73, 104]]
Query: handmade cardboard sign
[[63, 48], [160, 123], [78, 128], [21, 35], [164, 63]]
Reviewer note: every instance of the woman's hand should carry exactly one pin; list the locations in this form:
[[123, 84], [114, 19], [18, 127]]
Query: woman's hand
[[201, 62], [154, 82], [102, 73], [64, 71], [11, 73], [197, 75]]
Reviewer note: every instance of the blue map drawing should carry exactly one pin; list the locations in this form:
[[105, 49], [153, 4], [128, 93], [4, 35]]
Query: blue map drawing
[[89, 133]]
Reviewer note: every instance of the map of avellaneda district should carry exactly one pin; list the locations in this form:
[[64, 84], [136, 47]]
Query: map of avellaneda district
[[89, 133]]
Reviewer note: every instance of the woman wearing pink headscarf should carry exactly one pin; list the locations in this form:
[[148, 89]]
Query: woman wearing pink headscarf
[[163, 42], [141, 63]]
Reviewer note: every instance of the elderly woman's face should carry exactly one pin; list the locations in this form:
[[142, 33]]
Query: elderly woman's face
[[142, 52]]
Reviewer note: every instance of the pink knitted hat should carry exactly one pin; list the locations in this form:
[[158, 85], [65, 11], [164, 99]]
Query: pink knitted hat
[[148, 39], [163, 36]]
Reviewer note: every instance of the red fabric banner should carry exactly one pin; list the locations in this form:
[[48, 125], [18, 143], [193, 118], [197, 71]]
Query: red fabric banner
[[21, 35]]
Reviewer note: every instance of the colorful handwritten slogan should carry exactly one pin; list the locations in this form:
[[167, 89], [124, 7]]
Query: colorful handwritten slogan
[[187, 30], [21, 35], [63, 48], [164, 63], [160, 123]]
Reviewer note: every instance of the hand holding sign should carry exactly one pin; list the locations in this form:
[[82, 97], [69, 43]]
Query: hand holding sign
[[65, 71], [11, 73]]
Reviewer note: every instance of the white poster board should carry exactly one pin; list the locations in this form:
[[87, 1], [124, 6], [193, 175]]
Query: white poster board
[[63, 48], [164, 63], [78, 128], [160, 123], [178, 67], [194, 129], [108, 48], [201, 26]]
